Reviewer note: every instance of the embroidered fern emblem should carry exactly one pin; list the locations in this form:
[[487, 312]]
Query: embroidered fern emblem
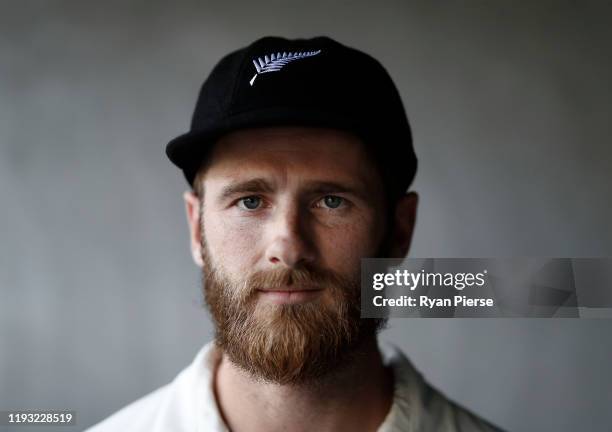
[[275, 62]]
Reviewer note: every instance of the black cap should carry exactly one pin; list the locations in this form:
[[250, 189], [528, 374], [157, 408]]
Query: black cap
[[304, 82]]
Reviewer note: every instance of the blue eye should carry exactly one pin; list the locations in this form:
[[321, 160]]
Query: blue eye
[[249, 203], [332, 201]]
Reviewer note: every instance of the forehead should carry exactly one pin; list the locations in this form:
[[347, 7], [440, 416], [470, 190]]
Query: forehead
[[303, 152]]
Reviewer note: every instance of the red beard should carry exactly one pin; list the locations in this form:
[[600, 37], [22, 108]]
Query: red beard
[[287, 343]]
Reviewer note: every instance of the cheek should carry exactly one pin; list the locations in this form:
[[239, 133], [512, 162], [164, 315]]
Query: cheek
[[343, 247], [232, 243]]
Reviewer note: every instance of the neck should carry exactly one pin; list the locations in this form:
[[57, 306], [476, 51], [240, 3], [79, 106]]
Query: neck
[[357, 397]]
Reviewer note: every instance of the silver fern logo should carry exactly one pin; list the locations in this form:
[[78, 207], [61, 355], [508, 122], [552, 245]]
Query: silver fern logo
[[275, 62]]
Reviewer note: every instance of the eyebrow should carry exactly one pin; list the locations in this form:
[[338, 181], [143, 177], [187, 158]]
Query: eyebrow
[[261, 185], [323, 187], [256, 185]]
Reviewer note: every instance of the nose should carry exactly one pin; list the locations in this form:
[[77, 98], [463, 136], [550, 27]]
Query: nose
[[291, 243]]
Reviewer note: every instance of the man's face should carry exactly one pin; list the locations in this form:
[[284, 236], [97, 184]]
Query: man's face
[[286, 216]]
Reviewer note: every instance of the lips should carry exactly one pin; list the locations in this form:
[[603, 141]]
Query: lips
[[289, 295], [289, 289]]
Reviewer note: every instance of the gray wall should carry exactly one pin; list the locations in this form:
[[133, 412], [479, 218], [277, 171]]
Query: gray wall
[[99, 299]]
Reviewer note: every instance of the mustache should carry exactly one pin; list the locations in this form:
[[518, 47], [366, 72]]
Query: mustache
[[301, 278], [291, 279]]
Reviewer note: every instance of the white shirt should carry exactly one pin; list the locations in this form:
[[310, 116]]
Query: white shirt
[[188, 403]]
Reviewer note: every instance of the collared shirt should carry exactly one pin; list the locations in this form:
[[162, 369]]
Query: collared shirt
[[188, 403]]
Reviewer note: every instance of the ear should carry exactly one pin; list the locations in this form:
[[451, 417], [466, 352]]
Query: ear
[[192, 208], [405, 219]]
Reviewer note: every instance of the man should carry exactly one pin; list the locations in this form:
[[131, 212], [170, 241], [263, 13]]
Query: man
[[299, 157]]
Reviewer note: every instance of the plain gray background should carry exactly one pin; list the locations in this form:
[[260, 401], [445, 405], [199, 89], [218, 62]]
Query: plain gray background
[[100, 301]]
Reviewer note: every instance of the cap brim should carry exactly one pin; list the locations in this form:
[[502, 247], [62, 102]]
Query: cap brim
[[189, 150]]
